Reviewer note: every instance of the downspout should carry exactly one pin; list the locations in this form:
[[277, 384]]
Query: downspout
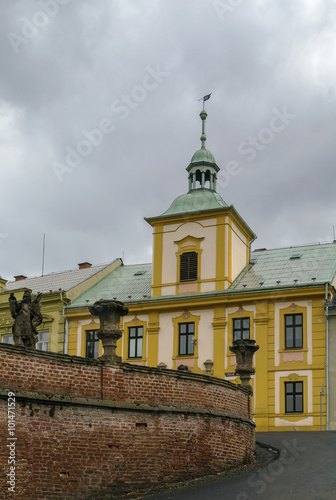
[[250, 250], [327, 352], [66, 333], [66, 327]]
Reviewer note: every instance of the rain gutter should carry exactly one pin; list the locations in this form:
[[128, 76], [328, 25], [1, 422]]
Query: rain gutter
[[327, 351]]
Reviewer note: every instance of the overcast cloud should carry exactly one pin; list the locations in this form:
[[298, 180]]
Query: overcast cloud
[[99, 117]]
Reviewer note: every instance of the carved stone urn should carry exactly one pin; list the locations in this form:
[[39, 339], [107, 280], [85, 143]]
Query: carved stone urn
[[244, 350], [208, 366], [109, 313]]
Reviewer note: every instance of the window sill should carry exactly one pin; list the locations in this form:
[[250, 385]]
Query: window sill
[[185, 356], [293, 349], [127, 360]]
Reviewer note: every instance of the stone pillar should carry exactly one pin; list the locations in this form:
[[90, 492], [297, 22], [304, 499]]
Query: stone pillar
[[109, 313], [244, 350]]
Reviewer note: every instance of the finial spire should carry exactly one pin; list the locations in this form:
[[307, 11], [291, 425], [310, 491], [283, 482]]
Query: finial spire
[[203, 116], [202, 169]]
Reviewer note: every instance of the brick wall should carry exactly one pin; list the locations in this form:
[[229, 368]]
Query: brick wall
[[85, 429]]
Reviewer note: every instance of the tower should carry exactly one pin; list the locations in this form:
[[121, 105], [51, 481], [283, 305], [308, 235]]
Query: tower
[[200, 243]]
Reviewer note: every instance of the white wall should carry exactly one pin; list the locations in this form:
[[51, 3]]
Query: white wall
[[238, 251], [174, 232]]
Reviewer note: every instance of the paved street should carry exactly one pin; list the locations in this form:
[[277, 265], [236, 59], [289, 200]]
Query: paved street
[[305, 470]]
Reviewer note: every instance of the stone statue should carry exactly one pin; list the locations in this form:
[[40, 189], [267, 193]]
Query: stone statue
[[27, 315]]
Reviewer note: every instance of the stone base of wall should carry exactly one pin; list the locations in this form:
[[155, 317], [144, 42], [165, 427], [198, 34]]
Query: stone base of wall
[[72, 446]]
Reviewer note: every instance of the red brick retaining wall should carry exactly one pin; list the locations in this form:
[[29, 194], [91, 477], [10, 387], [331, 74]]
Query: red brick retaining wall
[[85, 429]]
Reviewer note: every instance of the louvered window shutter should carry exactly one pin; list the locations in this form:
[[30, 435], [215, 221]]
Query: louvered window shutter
[[188, 266]]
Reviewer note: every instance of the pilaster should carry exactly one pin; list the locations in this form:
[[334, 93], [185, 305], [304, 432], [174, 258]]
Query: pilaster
[[219, 325], [261, 362], [153, 328]]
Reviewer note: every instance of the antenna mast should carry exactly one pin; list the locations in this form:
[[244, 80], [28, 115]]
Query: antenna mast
[[43, 249]]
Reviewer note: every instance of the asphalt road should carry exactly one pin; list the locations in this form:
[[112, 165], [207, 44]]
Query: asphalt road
[[305, 470]]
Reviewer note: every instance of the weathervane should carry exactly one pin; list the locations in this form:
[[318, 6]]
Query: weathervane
[[205, 98]]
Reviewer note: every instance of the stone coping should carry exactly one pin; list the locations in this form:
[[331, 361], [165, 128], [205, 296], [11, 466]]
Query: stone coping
[[66, 358], [46, 399]]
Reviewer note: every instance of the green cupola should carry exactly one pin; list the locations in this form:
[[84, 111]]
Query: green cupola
[[203, 169]]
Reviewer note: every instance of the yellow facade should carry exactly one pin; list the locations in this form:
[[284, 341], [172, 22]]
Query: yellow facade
[[208, 289], [54, 300], [273, 364], [213, 315], [53, 320]]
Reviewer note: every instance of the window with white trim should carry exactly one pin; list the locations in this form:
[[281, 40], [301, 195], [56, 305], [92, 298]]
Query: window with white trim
[[7, 339], [293, 331], [186, 339], [43, 340], [294, 397], [241, 328], [135, 341], [92, 344]]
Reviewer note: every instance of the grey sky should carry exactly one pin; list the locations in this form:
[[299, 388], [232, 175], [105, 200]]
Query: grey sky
[[136, 69]]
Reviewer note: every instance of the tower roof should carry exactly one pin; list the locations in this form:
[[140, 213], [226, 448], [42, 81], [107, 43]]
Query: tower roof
[[203, 156], [195, 201], [202, 196], [203, 169]]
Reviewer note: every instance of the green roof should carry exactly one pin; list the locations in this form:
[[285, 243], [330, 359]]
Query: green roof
[[203, 155], [125, 283], [196, 200], [288, 267]]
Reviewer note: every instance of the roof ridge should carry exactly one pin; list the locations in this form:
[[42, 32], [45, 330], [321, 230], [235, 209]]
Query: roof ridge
[[303, 245], [64, 272], [141, 264]]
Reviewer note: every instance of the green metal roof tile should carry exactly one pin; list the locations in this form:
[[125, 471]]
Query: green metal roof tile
[[203, 155], [269, 269], [196, 200], [310, 264], [124, 283]]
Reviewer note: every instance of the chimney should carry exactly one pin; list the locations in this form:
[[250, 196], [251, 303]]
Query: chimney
[[20, 277], [84, 265]]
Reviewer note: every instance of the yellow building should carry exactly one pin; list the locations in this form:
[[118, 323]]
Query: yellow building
[[206, 288], [58, 290]]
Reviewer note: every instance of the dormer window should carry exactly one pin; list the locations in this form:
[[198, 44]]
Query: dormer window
[[188, 266]]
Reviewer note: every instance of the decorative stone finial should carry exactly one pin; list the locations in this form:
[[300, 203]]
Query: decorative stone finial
[[109, 313], [208, 366], [27, 315], [244, 350]]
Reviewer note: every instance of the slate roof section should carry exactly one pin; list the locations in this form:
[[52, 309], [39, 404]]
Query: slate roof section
[[125, 283], [55, 281], [309, 265]]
